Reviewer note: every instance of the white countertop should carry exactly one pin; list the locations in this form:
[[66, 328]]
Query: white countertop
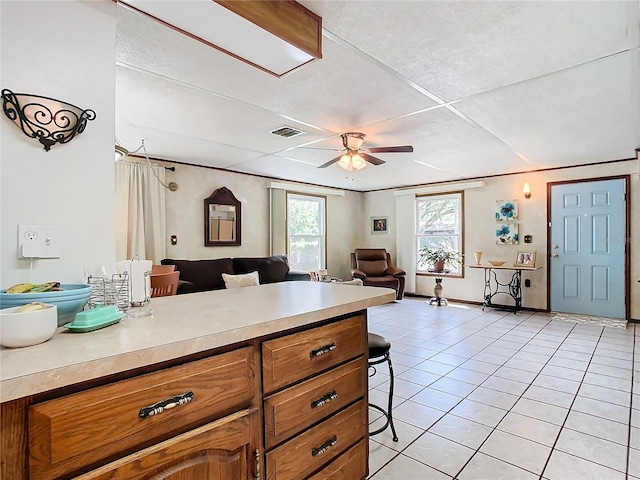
[[180, 325]]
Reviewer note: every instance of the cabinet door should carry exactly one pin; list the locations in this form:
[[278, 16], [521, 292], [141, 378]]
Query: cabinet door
[[221, 450]]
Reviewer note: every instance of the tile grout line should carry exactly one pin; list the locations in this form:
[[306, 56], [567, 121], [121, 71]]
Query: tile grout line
[[633, 364]]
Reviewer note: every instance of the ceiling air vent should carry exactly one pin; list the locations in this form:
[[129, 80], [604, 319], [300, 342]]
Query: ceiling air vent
[[287, 132]]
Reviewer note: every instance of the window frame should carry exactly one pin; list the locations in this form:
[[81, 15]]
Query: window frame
[[461, 235], [302, 195]]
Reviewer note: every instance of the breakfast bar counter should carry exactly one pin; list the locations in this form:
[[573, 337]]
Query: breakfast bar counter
[[232, 354]]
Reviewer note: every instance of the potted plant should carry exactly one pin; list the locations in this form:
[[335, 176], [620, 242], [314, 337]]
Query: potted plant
[[437, 257]]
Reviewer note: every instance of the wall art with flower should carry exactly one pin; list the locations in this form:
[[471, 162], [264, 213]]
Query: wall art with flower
[[507, 234], [506, 210]]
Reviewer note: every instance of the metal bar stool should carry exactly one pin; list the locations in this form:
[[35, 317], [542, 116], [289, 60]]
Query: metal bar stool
[[379, 348]]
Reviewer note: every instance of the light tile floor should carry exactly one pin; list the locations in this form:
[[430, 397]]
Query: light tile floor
[[492, 395]]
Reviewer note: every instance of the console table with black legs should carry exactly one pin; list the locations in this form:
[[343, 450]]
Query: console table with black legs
[[493, 286]]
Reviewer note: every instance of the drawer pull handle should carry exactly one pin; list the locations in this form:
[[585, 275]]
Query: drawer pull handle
[[318, 402], [322, 350], [167, 404], [325, 446], [256, 454]]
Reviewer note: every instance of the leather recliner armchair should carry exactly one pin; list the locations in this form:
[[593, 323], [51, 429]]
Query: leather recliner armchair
[[373, 266]]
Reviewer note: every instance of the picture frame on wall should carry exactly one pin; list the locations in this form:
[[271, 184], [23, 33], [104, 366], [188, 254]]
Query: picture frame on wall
[[507, 234], [525, 258], [506, 210], [379, 225]]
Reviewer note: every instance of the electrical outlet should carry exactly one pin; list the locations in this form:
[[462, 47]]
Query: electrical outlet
[[38, 241]]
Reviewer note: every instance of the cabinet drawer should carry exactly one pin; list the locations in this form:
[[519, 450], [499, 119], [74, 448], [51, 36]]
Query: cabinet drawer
[[85, 428], [351, 465], [295, 408], [300, 355], [189, 455], [319, 445]]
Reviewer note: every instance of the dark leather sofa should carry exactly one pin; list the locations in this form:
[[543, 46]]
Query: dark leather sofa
[[206, 274], [373, 266]]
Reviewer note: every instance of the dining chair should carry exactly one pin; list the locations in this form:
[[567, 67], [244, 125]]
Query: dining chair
[[164, 284], [162, 269]]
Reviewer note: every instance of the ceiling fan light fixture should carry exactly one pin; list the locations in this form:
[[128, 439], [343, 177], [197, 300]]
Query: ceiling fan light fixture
[[345, 162], [357, 162]]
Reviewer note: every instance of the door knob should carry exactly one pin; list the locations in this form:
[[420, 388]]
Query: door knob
[[555, 255]]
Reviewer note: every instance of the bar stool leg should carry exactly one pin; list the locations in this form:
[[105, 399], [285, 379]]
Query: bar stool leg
[[388, 414]]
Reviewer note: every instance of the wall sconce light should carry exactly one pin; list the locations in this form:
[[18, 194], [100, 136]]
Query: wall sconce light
[[526, 189], [49, 120]]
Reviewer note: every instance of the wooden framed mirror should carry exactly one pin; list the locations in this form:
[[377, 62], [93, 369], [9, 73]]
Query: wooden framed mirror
[[222, 219]]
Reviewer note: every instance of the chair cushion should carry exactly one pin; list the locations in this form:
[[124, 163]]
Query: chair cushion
[[378, 345], [388, 281], [372, 268]]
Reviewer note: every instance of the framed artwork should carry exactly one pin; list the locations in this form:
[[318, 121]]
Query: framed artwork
[[507, 234], [379, 225], [525, 258], [506, 210]]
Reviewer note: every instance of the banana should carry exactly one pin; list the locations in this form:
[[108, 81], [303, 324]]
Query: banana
[[30, 287], [45, 287], [20, 288], [30, 307]]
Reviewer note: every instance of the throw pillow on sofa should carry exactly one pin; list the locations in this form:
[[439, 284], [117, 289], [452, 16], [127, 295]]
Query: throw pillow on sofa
[[241, 280], [270, 269]]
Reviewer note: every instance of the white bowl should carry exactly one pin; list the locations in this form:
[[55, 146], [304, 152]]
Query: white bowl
[[27, 328]]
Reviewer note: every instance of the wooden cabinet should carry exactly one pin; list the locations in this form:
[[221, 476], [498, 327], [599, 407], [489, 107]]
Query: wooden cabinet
[[298, 411], [316, 410], [294, 357], [217, 451], [71, 432], [297, 407]]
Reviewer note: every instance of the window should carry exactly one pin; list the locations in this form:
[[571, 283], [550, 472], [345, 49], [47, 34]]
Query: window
[[306, 232], [439, 223]]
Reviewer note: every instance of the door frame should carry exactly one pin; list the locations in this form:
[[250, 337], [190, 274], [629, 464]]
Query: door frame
[[627, 226]]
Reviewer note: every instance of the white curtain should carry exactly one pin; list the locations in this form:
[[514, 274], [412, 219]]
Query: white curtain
[[406, 248], [140, 211]]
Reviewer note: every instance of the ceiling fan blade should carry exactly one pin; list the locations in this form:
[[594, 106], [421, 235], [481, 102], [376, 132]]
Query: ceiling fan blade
[[330, 162], [400, 149], [371, 159], [322, 148]]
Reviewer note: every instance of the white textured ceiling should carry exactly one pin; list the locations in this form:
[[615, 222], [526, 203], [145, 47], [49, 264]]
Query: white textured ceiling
[[478, 88]]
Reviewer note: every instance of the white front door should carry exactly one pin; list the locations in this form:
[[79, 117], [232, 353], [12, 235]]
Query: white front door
[[587, 250]]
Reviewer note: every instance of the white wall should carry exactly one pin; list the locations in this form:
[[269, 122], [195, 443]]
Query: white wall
[[64, 50], [480, 229], [185, 217]]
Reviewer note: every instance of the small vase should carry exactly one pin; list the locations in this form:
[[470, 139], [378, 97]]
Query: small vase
[[438, 266], [478, 256]]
